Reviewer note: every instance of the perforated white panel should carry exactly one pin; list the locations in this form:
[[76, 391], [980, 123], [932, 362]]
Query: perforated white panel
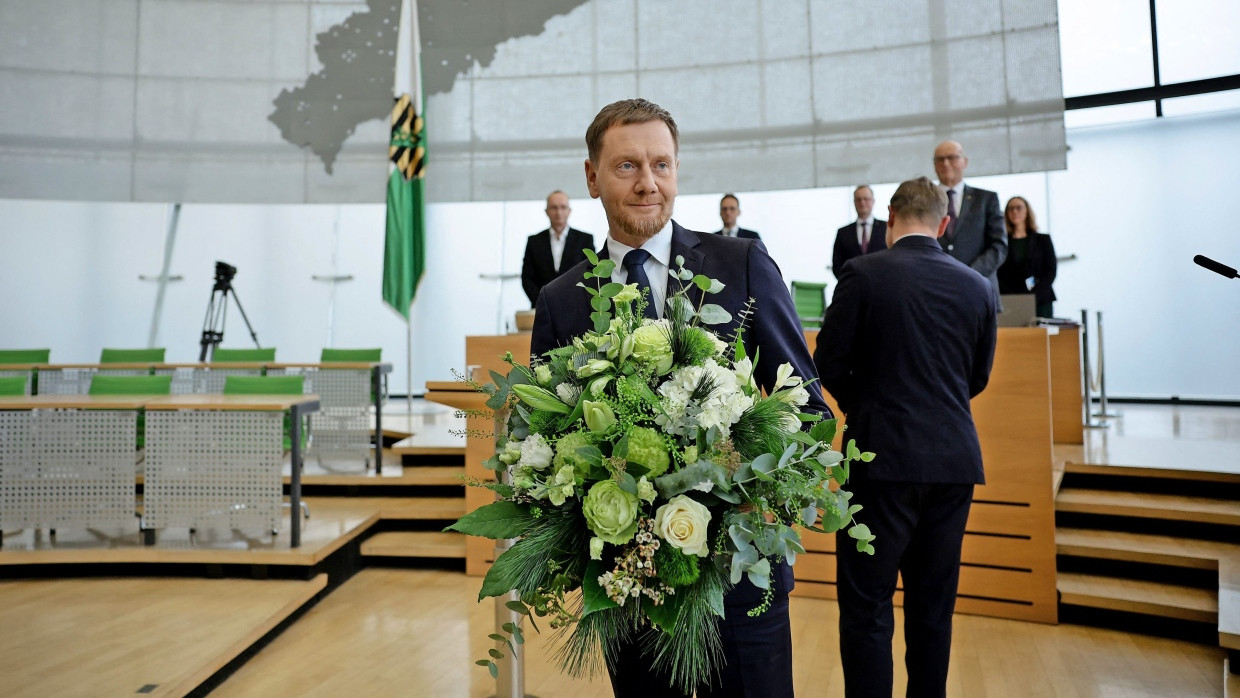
[[213, 470], [67, 468], [341, 427], [65, 381], [184, 380]]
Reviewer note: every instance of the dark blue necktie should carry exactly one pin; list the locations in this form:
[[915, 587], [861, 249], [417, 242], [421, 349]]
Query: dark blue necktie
[[634, 263]]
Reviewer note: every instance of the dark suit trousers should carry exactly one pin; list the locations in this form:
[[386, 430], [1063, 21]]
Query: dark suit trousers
[[757, 654], [919, 528]]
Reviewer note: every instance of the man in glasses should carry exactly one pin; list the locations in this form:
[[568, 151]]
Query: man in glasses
[[975, 232]]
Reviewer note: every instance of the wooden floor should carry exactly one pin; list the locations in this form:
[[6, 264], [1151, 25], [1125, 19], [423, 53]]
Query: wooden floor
[[416, 633], [117, 637]]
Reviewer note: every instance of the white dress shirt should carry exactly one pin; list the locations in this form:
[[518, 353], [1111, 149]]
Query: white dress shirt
[[557, 246], [660, 249], [869, 228], [730, 232]]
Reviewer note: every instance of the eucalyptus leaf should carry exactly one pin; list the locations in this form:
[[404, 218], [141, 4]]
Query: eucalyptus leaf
[[760, 574], [610, 290], [701, 282], [602, 321], [716, 286], [713, 314]]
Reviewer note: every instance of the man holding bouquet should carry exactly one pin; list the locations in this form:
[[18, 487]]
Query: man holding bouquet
[[908, 340], [632, 168]]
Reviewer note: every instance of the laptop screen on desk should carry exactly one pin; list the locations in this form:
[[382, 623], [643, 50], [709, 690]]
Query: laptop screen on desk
[[1019, 309]]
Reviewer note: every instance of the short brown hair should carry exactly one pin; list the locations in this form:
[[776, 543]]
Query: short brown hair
[[1031, 223], [732, 197], [624, 112], [919, 200]]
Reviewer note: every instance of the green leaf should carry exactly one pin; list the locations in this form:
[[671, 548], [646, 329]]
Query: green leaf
[[760, 574], [610, 290], [495, 521], [541, 399], [491, 666], [701, 282], [867, 456], [825, 431], [497, 637], [664, 615], [714, 599], [602, 321], [495, 653], [517, 607], [600, 303], [604, 268], [593, 598], [590, 255], [713, 314], [518, 636], [502, 577], [763, 465], [716, 286], [809, 515]]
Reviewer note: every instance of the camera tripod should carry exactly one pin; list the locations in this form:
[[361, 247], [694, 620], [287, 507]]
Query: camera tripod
[[217, 311]]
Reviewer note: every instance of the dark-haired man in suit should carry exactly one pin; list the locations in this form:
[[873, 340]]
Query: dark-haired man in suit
[[632, 169], [975, 232], [866, 235], [908, 341], [729, 211], [555, 249]]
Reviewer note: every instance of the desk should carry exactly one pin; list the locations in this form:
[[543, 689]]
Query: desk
[[69, 460], [347, 390]]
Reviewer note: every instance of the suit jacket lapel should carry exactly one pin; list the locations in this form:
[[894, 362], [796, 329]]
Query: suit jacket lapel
[[684, 244], [966, 203]]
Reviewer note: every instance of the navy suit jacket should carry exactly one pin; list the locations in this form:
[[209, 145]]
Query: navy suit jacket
[[742, 233], [538, 267], [847, 247], [979, 238], [747, 271], [908, 340]]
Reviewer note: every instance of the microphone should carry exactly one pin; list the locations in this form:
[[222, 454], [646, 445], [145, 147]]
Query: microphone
[[1216, 267]]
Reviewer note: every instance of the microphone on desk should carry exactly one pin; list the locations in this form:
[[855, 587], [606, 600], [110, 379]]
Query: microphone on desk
[[1216, 267]]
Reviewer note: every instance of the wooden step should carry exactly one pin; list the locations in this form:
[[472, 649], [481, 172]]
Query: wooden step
[[1149, 506], [1074, 467], [1141, 547], [1133, 596], [415, 544], [423, 508]]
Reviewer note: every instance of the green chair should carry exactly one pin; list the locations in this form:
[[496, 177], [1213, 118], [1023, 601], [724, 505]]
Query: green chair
[[810, 300], [132, 385], [12, 386], [275, 385], [25, 356], [330, 355], [132, 356], [221, 356]]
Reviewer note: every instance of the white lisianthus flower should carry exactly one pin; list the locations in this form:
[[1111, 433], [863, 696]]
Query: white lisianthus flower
[[784, 377], [682, 522], [511, 453], [536, 453], [645, 490], [568, 393], [542, 374], [596, 548], [744, 372], [560, 488], [721, 408]]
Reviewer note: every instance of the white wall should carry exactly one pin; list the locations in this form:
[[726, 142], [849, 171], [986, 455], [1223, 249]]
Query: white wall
[[1137, 202]]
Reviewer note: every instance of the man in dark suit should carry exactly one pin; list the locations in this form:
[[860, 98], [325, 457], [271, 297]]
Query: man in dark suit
[[908, 340], [555, 249], [866, 235], [729, 211], [632, 168], [975, 234]]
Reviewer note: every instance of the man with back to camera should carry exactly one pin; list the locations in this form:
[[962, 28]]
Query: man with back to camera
[[729, 211], [908, 341], [975, 234], [865, 235], [632, 168], [555, 249]]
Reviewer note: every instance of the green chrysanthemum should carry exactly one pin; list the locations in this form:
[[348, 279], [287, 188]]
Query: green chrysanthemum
[[647, 449]]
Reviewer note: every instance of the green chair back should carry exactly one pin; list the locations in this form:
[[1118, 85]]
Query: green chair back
[[810, 300], [131, 385], [14, 386], [264, 385], [132, 356], [25, 356], [222, 356], [271, 385], [330, 355]]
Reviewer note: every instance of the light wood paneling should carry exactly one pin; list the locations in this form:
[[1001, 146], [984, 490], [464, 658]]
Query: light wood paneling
[[1067, 398], [112, 637], [1149, 506], [415, 544]]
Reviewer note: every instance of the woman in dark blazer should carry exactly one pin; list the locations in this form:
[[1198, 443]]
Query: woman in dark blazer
[[1030, 266]]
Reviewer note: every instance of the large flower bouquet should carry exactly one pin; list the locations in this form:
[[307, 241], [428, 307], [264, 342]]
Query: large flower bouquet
[[644, 468]]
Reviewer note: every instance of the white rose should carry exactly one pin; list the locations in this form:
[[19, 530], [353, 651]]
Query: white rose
[[536, 452], [682, 522]]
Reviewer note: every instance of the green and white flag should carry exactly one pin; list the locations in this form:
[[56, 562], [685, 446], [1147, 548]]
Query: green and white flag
[[404, 248]]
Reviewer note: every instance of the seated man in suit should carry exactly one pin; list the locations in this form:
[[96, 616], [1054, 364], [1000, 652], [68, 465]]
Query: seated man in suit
[[632, 169], [908, 341], [729, 211], [975, 234], [865, 235], [555, 249]]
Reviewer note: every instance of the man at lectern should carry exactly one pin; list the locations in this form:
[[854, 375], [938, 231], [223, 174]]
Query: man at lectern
[[550, 252], [632, 169], [908, 340]]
